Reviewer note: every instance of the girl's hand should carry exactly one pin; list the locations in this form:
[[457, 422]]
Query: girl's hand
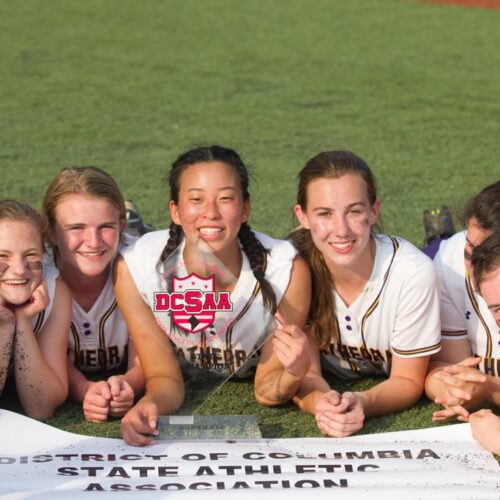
[[485, 427], [290, 345], [139, 424], [122, 396], [464, 383], [96, 402], [339, 416], [451, 412], [38, 301]]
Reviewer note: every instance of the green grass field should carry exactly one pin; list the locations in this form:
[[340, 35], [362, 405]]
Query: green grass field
[[411, 87]]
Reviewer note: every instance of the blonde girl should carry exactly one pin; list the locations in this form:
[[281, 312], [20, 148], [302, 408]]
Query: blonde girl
[[84, 214]]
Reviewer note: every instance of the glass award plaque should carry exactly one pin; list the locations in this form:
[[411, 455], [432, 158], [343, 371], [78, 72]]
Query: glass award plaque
[[216, 325]]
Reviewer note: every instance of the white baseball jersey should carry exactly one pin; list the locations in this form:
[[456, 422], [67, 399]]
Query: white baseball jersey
[[98, 338], [397, 313], [464, 313], [230, 337]]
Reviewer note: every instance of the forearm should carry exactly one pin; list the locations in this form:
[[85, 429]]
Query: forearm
[[276, 388], [6, 343], [391, 396], [166, 392], [78, 383], [40, 389], [135, 377], [310, 390]]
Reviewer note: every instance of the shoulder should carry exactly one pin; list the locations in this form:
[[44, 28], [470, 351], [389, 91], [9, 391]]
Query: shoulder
[[410, 265], [148, 245], [406, 255], [451, 253], [278, 248]]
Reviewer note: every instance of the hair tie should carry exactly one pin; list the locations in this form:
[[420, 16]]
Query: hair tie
[[259, 275]]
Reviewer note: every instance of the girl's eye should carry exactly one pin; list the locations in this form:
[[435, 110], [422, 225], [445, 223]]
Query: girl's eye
[[195, 200]]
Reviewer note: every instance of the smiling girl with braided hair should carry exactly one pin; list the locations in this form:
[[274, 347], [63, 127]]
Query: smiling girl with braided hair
[[210, 238]]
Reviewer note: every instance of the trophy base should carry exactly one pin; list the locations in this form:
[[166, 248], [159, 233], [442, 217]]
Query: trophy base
[[184, 427]]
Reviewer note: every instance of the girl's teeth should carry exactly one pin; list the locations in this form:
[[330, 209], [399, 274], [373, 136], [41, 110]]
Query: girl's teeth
[[210, 230], [341, 245]]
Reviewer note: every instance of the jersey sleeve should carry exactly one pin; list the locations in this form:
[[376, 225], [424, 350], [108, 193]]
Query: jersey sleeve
[[453, 323], [417, 330]]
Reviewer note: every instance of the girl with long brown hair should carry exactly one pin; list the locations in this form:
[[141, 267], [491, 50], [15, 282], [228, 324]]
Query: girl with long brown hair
[[375, 309]]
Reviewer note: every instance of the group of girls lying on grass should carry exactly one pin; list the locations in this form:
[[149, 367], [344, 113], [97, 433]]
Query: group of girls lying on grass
[[336, 297]]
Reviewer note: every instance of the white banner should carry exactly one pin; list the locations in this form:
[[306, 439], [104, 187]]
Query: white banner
[[39, 461]]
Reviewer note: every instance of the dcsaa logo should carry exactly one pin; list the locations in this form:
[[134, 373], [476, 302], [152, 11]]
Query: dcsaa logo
[[193, 302]]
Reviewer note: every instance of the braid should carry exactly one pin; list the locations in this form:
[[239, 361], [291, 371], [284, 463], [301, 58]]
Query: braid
[[322, 312], [175, 238], [257, 256]]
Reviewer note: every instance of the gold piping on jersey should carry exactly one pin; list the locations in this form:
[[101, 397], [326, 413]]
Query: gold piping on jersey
[[76, 339], [421, 350], [475, 305], [376, 302], [229, 331], [447, 333], [39, 321], [102, 323]]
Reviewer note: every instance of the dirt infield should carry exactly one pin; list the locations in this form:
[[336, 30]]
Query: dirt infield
[[484, 4]]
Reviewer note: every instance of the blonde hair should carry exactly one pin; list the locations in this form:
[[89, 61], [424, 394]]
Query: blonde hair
[[90, 181], [16, 211]]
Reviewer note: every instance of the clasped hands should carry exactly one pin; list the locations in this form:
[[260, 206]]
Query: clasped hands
[[107, 398], [464, 386]]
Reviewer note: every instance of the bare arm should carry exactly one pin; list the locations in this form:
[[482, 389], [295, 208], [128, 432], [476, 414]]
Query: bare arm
[[7, 328], [164, 384], [402, 389], [313, 385], [40, 362], [454, 379], [285, 359]]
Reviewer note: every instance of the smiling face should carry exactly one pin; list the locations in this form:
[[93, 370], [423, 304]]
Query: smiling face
[[339, 216], [20, 260], [86, 234], [490, 290], [210, 207]]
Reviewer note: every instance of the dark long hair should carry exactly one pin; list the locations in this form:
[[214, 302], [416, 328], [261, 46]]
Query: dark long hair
[[326, 165], [253, 248], [485, 208], [486, 257]]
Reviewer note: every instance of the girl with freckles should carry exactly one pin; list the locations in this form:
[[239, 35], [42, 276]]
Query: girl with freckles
[[210, 236], [375, 304], [35, 312]]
